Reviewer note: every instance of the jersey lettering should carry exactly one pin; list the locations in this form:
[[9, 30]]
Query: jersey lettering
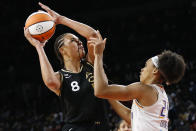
[[164, 124], [90, 78], [75, 86], [164, 109]]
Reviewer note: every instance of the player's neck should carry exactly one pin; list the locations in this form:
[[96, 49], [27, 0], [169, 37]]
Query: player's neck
[[153, 81], [157, 82], [72, 65]]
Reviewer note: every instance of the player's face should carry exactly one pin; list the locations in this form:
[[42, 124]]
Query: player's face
[[73, 46], [147, 71], [124, 126]]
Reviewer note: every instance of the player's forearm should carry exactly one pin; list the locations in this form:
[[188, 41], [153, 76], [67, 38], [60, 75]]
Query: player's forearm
[[121, 110], [47, 71], [100, 80], [101, 87], [83, 29]]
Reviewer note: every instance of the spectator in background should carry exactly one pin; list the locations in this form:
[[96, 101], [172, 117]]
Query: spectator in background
[[123, 126], [192, 90]]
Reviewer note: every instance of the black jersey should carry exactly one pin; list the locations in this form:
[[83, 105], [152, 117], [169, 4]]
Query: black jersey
[[77, 96]]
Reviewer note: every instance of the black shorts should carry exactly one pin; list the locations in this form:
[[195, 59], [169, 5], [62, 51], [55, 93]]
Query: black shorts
[[95, 126]]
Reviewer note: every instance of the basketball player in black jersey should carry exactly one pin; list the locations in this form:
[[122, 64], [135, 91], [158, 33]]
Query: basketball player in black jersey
[[74, 82]]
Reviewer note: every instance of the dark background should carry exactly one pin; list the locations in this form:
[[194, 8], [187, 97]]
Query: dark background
[[135, 31]]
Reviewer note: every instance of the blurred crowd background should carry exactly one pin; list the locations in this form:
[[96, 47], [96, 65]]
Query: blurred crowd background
[[135, 31]]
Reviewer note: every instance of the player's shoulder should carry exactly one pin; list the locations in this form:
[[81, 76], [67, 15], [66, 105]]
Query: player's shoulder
[[139, 84], [64, 71], [141, 87], [87, 65], [58, 73]]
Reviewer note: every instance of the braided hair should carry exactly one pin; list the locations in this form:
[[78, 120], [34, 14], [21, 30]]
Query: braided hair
[[58, 43]]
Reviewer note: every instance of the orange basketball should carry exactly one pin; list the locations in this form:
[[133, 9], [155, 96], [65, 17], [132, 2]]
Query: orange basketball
[[40, 25]]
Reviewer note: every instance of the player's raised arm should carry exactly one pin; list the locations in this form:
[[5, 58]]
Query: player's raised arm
[[83, 29], [50, 78], [102, 88]]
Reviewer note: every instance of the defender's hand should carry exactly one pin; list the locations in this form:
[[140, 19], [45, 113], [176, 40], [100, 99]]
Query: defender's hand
[[98, 43]]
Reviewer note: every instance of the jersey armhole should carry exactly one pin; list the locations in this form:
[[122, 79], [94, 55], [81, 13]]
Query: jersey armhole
[[61, 80], [89, 64], [157, 93]]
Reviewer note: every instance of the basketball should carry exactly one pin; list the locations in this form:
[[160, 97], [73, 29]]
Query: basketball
[[40, 25]]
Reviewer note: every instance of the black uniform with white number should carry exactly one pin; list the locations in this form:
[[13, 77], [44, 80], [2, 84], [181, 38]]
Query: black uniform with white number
[[82, 110]]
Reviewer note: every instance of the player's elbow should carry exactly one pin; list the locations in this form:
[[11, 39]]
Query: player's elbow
[[98, 94], [128, 120], [101, 93]]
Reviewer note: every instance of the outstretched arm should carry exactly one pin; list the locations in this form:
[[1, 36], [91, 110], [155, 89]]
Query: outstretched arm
[[83, 29], [102, 89], [123, 111], [50, 78]]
